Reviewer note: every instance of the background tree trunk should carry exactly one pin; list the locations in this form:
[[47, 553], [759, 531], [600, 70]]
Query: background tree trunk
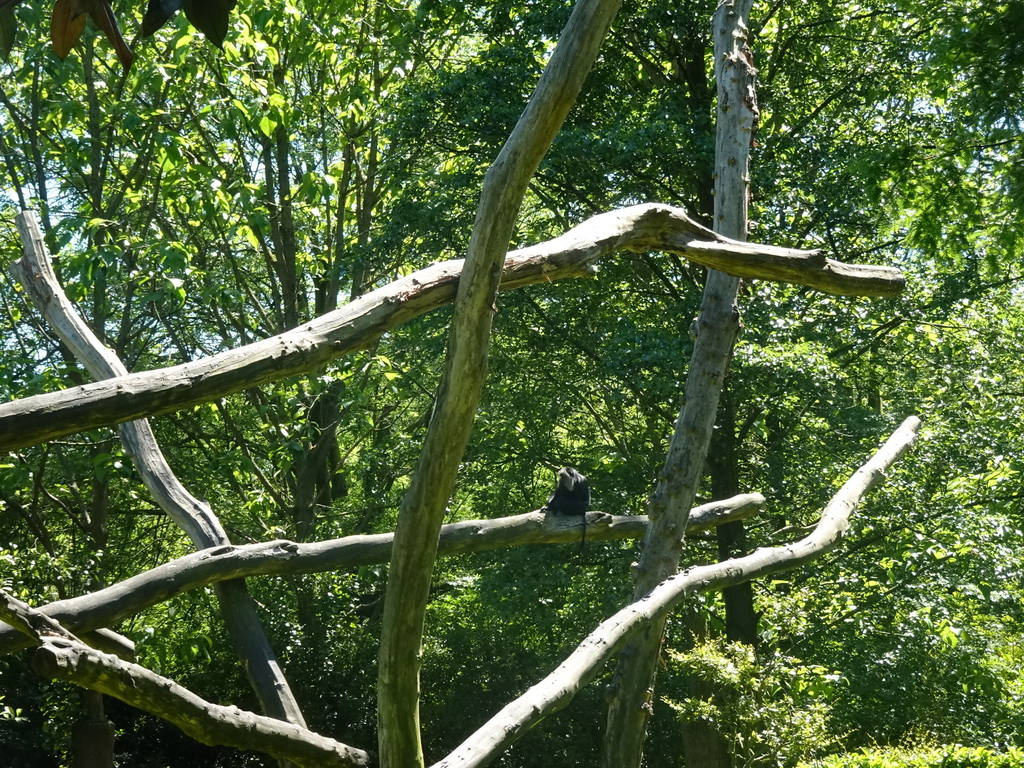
[[92, 736], [704, 744], [716, 328], [723, 464]]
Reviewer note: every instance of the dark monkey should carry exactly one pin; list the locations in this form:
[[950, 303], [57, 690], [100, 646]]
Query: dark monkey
[[571, 497]]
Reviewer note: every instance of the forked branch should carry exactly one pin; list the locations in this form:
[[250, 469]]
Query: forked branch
[[61, 656]]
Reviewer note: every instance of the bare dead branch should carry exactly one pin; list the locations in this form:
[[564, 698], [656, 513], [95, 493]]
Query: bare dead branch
[[30, 622], [36, 623], [34, 420], [191, 514], [65, 659], [108, 606], [462, 380], [556, 690], [62, 656]]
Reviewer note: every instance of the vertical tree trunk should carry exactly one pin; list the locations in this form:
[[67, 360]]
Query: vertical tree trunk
[[423, 506], [92, 737], [740, 618], [704, 744], [716, 328]]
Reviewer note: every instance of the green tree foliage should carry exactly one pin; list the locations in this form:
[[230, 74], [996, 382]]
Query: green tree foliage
[[959, 757], [206, 198], [775, 710]]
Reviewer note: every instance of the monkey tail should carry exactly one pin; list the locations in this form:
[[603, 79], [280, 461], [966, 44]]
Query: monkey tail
[[583, 538]]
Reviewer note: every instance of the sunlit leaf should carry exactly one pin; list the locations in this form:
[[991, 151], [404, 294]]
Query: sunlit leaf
[[267, 126]]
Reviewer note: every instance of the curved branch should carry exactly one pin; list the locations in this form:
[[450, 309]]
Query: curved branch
[[192, 515], [64, 659], [34, 420], [462, 381], [62, 656], [556, 690]]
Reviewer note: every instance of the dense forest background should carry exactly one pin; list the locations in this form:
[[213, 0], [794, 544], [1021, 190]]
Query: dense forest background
[[209, 198]]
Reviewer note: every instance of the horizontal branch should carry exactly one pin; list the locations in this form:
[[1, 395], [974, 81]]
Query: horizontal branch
[[358, 324], [559, 688], [106, 607], [64, 659]]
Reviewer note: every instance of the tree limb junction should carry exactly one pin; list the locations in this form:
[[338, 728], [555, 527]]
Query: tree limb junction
[[556, 690]]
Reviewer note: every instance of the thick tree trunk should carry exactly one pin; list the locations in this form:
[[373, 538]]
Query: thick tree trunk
[[716, 328], [424, 505]]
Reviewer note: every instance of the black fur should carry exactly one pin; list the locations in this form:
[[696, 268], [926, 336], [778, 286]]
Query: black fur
[[571, 495]]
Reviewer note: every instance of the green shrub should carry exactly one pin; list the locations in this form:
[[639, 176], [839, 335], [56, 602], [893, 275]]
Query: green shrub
[[933, 757]]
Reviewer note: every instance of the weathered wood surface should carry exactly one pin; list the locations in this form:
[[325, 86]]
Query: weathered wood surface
[[34, 420], [191, 514], [110, 605]]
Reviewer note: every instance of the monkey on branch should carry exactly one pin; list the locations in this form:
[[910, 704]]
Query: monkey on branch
[[570, 497]]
